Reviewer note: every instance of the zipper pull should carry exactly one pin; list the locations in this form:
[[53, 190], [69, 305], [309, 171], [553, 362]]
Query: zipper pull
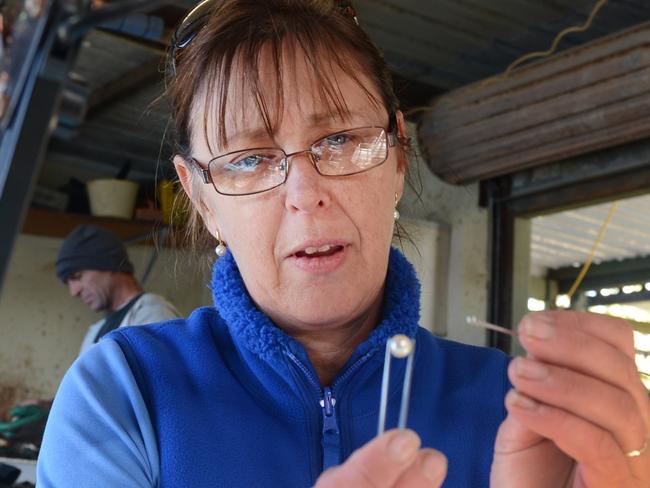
[[331, 440]]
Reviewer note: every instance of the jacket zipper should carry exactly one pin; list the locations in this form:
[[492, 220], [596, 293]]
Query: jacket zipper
[[331, 439], [330, 436]]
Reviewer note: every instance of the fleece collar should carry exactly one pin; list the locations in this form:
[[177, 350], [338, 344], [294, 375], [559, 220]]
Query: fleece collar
[[252, 329]]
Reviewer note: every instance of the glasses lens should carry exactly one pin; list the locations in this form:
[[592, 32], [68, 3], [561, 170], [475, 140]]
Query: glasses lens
[[249, 171], [351, 151]]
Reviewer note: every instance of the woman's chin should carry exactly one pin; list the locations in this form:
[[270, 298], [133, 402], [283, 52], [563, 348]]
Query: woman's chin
[[320, 316], [325, 314]]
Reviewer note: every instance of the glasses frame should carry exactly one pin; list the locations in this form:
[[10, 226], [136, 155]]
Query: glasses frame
[[188, 29], [196, 19], [206, 175]]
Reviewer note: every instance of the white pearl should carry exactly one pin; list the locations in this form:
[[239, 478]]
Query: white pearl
[[400, 346]]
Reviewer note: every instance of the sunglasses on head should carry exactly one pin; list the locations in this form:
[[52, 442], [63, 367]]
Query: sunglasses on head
[[197, 18]]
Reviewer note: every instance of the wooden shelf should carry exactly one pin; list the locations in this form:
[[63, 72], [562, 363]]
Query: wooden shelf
[[48, 223]]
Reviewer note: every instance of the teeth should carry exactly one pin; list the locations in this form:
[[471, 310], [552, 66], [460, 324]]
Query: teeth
[[314, 250]]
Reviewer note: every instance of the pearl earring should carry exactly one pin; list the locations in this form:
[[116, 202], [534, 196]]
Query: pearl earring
[[221, 248], [396, 212]]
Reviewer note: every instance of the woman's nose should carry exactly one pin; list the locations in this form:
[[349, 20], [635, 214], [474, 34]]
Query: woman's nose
[[304, 189]]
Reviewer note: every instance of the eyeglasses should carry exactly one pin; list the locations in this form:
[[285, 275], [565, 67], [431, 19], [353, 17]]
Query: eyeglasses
[[257, 170], [196, 18], [187, 30]]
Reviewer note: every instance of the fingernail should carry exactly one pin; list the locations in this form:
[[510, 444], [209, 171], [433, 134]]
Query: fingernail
[[530, 370], [537, 328], [518, 400], [432, 467], [403, 446]]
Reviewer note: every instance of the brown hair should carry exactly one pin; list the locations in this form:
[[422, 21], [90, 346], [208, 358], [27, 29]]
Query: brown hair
[[229, 47]]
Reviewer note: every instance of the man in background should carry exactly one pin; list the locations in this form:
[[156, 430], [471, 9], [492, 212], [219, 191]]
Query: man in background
[[95, 266]]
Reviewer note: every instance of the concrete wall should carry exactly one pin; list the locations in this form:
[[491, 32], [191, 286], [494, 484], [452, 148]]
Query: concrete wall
[[41, 326], [427, 248], [457, 207]]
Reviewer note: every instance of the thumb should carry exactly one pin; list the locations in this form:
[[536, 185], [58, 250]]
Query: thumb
[[378, 464]]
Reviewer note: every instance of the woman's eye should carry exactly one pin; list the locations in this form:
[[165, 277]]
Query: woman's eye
[[338, 139], [248, 163]]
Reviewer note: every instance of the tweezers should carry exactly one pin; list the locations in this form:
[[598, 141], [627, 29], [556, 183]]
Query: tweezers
[[398, 346]]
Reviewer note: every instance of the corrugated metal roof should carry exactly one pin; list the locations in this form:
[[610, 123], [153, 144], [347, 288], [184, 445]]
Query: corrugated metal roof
[[566, 238], [434, 45], [449, 43]]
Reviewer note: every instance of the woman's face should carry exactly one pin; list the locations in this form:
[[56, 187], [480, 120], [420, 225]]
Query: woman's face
[[270, 233]]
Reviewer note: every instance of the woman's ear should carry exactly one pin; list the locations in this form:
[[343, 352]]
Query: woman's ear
[[402, 135], [402, 132], [186, 177]]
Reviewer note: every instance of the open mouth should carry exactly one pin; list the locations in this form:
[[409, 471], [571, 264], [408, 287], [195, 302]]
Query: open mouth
[[319, 252]]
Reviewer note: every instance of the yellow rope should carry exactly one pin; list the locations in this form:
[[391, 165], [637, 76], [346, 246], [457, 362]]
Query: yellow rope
[[549, 52], [594, 249]]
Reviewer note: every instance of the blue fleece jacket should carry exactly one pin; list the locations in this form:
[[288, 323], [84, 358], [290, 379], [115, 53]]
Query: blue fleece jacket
[[226, 399]]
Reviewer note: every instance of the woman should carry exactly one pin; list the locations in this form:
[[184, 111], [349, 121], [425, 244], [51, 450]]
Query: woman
[[292, 149]]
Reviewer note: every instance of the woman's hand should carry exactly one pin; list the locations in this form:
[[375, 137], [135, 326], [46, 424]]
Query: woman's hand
[[578, 411], [392, 460]]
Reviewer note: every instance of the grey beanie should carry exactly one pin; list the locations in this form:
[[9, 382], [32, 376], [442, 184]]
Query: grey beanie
[[91, 247]]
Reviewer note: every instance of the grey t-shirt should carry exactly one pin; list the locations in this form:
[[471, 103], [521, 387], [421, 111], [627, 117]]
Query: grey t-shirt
[[150, 308]]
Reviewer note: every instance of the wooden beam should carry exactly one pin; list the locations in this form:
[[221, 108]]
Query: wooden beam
[[631, 158], [154, 45], [42, 222], [641, 296], [133, 80], [605, 188], [586, 99], [607, 274], [109, 155]]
